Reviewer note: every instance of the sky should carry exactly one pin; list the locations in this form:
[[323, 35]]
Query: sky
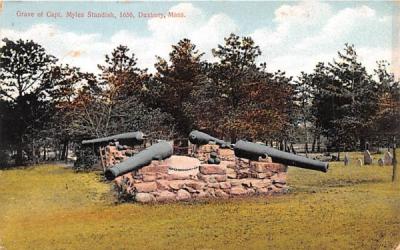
[[293, 36]]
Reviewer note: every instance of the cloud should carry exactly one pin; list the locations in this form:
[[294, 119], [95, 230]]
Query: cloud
[[300, 35], [88, 50], [310, 32]]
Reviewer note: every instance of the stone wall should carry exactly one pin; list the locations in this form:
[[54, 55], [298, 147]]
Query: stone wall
[[183, 178]]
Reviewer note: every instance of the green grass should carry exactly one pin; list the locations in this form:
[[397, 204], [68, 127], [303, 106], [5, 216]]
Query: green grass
[[51, 207]]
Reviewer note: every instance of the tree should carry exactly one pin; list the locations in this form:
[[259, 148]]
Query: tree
[[345, 100], [24, 76], [303, 98], [387, 118], [68, 82], [174, 82], [114, 103], [253, 99]]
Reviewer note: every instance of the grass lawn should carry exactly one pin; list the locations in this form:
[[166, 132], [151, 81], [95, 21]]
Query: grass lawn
[[51, 207]]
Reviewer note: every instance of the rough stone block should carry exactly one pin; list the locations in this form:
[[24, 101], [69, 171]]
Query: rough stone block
[[243, 173], [176, 184], [224, 185], [235, 182], [262, 190], [162, 184], [212, 178], [213, 185], [178, 177], [183, 195], [279, 185], [212, 169], [265, 167], [197, 185], [165, 196], [201, 195], [221, 194], [228, 164], [238, 191], [146, 187], [144, 197], [261, 175], [154, 168], [279, 178], [210, 192], [226, 154], [257, 183], [208, 148], [149, 177]]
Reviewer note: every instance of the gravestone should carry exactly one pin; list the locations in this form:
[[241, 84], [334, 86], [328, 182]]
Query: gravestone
[[380, 162], [387, 158], [346, 159], [367, 157], [359, 162]]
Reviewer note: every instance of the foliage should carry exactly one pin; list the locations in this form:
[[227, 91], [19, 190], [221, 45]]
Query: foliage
[[113, 104], [121, 191], [345, 99], [254, 101], [25, 83], [174, 82], [86, 159], [387, 117], [45, 105]]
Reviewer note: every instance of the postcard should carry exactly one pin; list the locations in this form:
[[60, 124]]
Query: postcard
[[199, 124]]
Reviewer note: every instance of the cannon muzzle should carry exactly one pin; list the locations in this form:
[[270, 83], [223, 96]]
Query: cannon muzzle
[[132, 138], [157, 151], [200, 138], [253, 151]]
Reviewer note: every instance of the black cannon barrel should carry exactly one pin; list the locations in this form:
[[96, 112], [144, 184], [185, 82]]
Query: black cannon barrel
[[201, 138], [130, 138], [253, 151], [157, 151]]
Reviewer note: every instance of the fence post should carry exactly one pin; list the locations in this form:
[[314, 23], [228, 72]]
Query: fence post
[[394, 163]]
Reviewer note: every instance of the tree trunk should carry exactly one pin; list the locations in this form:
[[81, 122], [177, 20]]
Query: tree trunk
[[66, 151], [319, 144], [19, 158], [362, 144], [394, 163], [34, 159], [305, 129], [44, 154], [292, 147], [286, 147], [306, 149], [233, 138], [313, 144]]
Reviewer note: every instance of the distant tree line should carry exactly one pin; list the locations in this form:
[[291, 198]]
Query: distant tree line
[[47, 105]]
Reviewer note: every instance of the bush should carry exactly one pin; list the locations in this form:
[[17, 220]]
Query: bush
[[86, 159], [4, 159], [123, 193]]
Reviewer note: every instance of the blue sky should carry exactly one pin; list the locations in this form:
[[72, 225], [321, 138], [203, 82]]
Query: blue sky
[[293, 36]]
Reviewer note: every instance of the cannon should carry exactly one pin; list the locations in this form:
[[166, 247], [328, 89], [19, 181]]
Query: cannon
[[200, 138], [159, 151], [130, 139], [253, 151]]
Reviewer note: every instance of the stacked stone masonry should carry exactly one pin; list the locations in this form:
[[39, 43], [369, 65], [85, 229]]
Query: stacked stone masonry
[[167, 181]]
